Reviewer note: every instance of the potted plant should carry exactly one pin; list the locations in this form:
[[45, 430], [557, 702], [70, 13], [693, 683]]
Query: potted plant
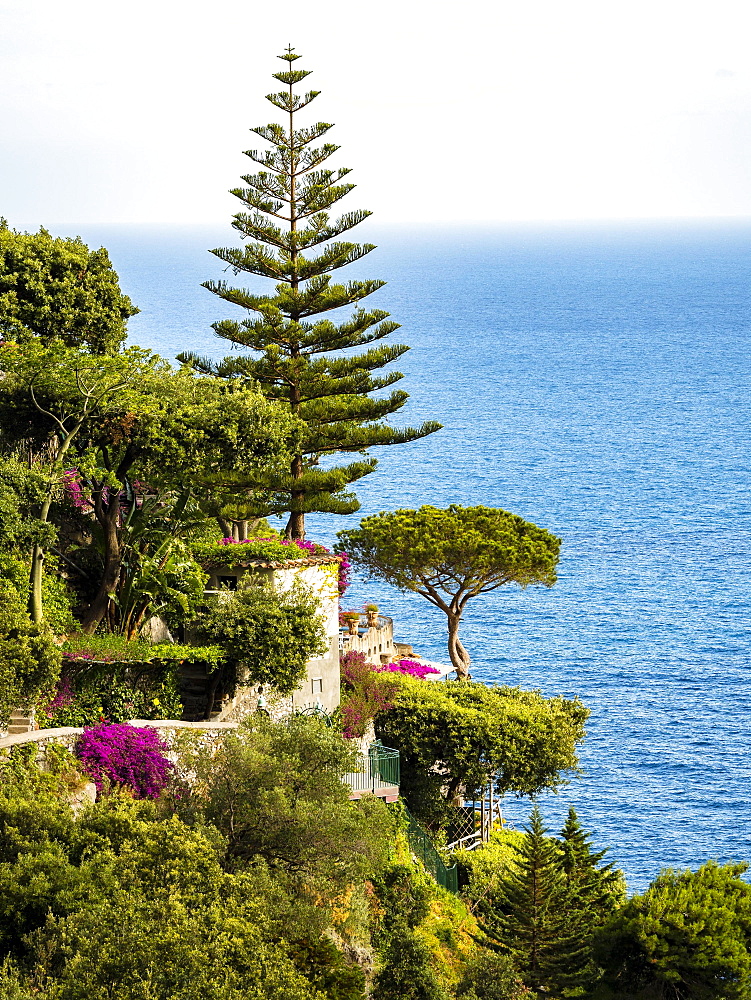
[[351, 619], [371, 612]]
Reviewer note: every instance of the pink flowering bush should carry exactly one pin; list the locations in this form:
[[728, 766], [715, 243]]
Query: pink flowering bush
[[366, 692], [126, 756], [410, 667]]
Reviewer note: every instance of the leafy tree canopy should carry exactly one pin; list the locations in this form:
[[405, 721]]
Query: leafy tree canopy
[[58, 289], [451, 555], [688, 936], [461, 735], [132, 413], [275, 791], [123, 902]]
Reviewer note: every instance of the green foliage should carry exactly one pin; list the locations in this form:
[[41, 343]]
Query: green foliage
[[481, 870], [57, 601], [58, 289], [688, 936], [404, 896], [115, 694], [158, 574], [130, 415], [266, 549], [106, 676], [491, 976], [297, 357], [271, 633], [448, 556], [275, 791], [594, 891], [123, 903], [12, 985], [542, 900], [324, 965], [407, 973], [108, 646], [460, 735], [29, 659], [531, 918], [22, 491]]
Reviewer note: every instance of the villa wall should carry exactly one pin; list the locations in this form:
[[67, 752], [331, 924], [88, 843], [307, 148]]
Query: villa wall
[[322, 681]]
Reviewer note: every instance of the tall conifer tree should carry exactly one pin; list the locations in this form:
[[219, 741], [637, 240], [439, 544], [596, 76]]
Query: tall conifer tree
[[532, 922], [298, 357]]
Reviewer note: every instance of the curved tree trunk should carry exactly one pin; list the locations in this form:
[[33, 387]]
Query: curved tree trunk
[[459, 655], [111, 575]]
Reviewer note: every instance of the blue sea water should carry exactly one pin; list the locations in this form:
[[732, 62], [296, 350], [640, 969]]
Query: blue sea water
[[596, 381]]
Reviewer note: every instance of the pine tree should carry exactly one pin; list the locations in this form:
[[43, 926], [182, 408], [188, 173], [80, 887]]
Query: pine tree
[[532, 919], [593, 893], [298, 357], [531, 893]]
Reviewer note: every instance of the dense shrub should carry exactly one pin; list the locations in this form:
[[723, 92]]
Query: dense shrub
[[29, 659], [407, 972], [126, 756], [271, 633], [491, 976], [275, 791], [688, 936]]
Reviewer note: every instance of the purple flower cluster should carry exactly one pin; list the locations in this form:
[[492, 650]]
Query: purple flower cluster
[[367, 693], [64, 696], [126, 756], [410, 667], [72, 489]]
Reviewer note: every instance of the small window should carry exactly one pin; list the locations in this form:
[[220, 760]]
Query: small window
[[317, 685], [230, 582]]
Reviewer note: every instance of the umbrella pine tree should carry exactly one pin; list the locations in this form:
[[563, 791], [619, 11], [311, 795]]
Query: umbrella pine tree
[[297, 348]]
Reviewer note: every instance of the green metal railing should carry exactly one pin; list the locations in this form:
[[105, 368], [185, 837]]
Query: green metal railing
[[421, 845], [380, 769]]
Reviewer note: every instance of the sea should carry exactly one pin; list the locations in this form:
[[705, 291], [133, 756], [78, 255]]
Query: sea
[[595, 380]]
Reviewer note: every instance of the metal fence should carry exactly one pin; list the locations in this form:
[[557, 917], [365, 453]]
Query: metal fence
[[380, 769], [421, 845]]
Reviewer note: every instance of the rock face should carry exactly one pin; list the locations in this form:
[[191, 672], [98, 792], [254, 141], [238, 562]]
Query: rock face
[[81, 797]]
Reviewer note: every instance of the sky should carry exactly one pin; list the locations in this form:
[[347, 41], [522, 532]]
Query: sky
[[475, 111]]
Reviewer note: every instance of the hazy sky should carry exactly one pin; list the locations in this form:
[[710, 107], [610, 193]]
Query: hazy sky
[[138, 111]]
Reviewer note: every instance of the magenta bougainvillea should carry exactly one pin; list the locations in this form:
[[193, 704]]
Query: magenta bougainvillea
[[126, 756], [367, 692], [410, 667]]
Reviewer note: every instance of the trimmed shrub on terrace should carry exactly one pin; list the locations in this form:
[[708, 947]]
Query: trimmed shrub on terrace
[[458, 734], [230, 552], [271, 633], [125, 756], [109, 677]]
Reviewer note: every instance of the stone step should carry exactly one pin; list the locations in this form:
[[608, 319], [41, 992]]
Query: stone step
[[19, 723]]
